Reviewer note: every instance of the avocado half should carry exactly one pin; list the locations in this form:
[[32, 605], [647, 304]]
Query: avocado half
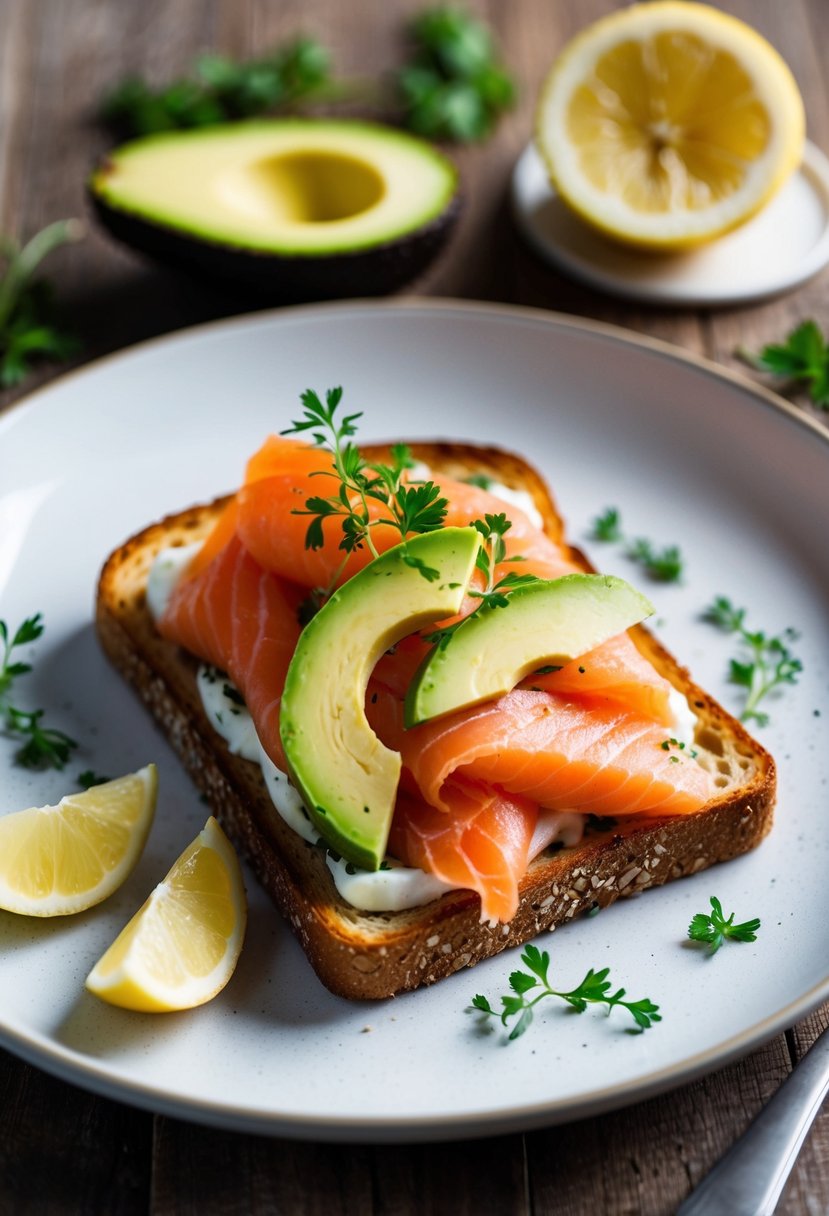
[[287, 209]]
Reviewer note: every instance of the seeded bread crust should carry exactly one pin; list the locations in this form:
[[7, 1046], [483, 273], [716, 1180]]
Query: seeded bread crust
[[366, 956]]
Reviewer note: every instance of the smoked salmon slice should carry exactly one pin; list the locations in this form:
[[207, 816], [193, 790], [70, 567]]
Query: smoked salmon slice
[[243, 620], [288, 473], [484, 847], [590, 736], [562, 753]]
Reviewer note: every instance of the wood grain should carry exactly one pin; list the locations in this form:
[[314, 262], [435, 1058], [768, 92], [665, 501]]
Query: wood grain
[[63, 1151]]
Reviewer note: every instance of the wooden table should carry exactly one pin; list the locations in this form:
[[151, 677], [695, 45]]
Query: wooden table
[[65, 1151]]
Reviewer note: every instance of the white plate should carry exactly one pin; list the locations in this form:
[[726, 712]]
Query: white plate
[[780, 248], [689, 455]]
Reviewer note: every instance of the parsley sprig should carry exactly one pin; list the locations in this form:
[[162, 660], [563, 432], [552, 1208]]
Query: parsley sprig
[[417, 508], [492, 552], [764, 664], [802, 358], [88, 778], [453, 87], [220, 89], [713, 928], [531, 986], [27, 318], [665, 565], [43, 746]]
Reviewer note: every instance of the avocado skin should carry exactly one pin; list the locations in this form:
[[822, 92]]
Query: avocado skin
[[282, 278]]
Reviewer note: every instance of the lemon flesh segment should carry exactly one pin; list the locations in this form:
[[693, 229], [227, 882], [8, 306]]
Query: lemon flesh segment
[[668, 124], [182, 946], [55, 860]]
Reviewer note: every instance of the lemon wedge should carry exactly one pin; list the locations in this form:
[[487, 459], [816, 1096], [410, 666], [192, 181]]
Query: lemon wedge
[[55, 860], [669, 123], [181, 947]]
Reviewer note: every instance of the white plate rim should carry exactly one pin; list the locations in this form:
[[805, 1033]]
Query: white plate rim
[[40, 1051]]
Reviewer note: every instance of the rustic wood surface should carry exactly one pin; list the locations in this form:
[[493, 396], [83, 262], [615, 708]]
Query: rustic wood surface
[[65, 1151]]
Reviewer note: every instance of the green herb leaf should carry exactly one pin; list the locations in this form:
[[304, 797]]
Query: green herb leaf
[[713, 928], [88, 778], [28, 329], [43, 746], [594, 989], [608, 525], [415, 508], [664, 565], [764, 663], [803, 357], [220, 89], [453, 88]]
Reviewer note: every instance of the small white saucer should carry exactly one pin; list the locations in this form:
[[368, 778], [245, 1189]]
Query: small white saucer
[[780, 248]]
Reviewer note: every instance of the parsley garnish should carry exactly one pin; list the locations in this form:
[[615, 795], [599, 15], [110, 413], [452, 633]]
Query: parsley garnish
[[453, 87], [767, 662], [593, 990], [27, 326], [662, 564], [492, 552], [88, 778], [43, 745], [220, 89], [712, 929], [803, 357], [409, 508], [607, 526]]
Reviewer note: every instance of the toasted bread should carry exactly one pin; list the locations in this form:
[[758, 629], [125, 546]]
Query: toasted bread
[[372, 955]]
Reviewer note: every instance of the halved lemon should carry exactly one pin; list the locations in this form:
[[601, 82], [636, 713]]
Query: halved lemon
[[60, 859], [668, 124], [182, 946]]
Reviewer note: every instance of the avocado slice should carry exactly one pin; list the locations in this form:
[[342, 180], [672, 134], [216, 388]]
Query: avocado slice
[[347, 778], [288, 208], [549, 622]]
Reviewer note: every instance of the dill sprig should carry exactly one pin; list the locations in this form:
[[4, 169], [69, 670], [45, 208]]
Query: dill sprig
[[713, 928], [532, 986], [43, 746], [764, 664]]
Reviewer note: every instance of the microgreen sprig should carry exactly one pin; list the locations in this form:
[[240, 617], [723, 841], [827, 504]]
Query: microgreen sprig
[[44, 746], [665, 565], [27, 328], [803, 358], [411, 508], [766, 664], [492, 553], [713, 928], [595, 989]]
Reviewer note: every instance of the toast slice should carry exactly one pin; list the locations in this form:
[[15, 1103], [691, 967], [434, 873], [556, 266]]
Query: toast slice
[[370, 955]]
